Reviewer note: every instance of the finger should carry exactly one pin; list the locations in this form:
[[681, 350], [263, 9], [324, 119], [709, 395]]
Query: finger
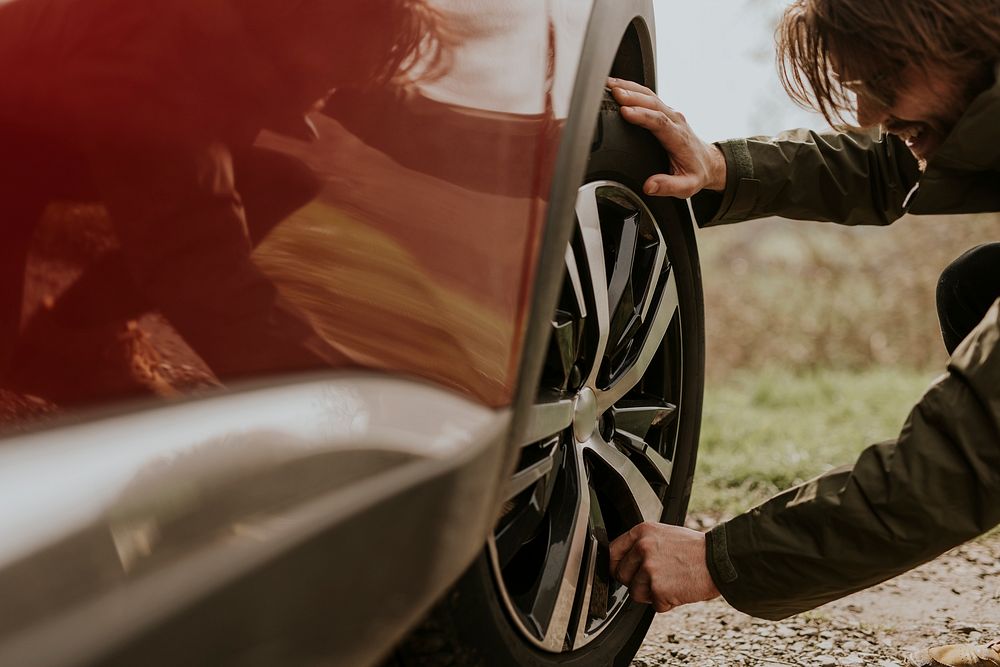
[[632, 98], [628, 566], [641, 590], [628, 98], [629, 85], [661, 607], [668, 131], [668, 185], [662, 602], [619, 547]]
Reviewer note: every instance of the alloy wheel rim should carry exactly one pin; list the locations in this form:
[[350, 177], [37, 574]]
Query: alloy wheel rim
[[597, 455]]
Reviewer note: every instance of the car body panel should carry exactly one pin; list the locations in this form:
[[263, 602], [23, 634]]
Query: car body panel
[[116, 524], [153, 524], [427, 237], [394, 224]]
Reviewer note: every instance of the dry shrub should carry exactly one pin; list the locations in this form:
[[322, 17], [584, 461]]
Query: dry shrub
[[807, 295]]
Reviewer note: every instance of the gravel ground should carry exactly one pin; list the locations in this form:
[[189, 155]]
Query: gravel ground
[[953, 599]]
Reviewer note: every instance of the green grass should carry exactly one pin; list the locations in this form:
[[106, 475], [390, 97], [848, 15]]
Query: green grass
[[764, 431]]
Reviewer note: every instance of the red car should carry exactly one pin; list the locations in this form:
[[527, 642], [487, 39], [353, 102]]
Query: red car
[[334, 332]]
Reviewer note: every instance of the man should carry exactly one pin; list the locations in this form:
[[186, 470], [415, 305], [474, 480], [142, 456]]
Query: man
[[921, 76]]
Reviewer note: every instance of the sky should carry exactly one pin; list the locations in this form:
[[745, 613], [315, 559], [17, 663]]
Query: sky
[[716, 66]]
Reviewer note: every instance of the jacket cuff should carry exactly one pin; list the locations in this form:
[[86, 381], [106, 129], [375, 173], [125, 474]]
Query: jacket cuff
[[732, 564], [724, 574], [717, 557], [737, 201]]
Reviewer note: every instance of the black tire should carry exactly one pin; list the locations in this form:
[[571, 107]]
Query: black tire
[[471, 626]]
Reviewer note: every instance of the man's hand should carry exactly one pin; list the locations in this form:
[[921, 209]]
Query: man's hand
[[695, 165], [663, 565]]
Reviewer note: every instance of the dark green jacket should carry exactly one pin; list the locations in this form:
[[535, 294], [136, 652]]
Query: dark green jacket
[[938, 483]]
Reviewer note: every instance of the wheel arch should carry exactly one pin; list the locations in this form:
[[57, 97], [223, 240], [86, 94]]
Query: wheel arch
[[635, 59], [620, 41]]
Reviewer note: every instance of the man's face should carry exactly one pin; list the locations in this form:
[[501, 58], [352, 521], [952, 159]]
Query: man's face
[[922, 110]]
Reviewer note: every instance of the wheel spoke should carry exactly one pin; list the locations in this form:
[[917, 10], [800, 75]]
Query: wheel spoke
[[654, 276], [522, 526], [589, 219], [553, 606], [573, 274], [589, 571], [637, 417], [523, 479], [641, 494], [524, 521], [621, 288], [508, 540], [596, 580], [565, 344], [664, 468], [662, 316], [546, 419]]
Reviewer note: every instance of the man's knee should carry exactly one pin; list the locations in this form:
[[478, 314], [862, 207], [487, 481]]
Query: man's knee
[[976, 269], [966, 290]]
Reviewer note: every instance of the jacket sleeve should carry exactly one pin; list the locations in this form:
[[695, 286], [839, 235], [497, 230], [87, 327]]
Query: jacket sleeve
[[858, 178], [903, 502]]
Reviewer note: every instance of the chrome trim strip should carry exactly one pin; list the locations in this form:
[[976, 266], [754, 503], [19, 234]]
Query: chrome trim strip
[[126, 475]]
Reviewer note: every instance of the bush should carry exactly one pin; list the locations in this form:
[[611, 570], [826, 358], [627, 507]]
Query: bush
[[804, 295]]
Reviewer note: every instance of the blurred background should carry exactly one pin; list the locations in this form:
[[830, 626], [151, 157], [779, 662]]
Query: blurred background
[[820, 337]]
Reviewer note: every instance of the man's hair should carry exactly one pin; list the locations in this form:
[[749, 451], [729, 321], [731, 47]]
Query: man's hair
[[413, 40], [421, 41], [873, 41]]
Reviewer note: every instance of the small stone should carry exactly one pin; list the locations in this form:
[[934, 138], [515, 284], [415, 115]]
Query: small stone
[[824, 660]]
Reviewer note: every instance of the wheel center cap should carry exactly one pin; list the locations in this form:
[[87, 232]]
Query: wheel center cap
[[585, 415]]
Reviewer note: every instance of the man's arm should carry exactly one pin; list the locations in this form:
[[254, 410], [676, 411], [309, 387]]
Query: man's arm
[[857, 178], [901, 504], [849, 178]]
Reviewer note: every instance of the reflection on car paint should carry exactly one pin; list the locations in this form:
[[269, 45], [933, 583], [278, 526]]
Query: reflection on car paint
[[285, 193], [184, 213]]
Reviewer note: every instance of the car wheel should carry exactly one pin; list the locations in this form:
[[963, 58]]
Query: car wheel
[[612, 438]]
